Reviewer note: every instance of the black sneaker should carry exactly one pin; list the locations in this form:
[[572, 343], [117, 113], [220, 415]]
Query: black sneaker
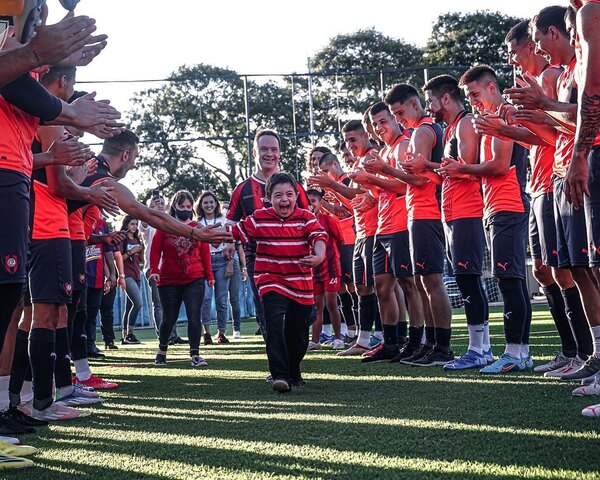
[[208, 339], [435, 356], [421, 352], [258, 332], [298, 383], [130, 339], [110, 346], [382, 355], [405, 352], [95, 354], [280, 385], [178, 341], [160, 360], [590, 368], [13, 413], [10, 428]]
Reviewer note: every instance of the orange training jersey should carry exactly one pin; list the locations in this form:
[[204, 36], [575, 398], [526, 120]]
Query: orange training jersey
[[77, 225], [17, 132], [567, 92], [392, 217], [366, 222], [346, 224]]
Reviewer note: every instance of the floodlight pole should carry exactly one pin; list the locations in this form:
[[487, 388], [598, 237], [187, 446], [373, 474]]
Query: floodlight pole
[[248, 135], [381, 85], [310, 104]]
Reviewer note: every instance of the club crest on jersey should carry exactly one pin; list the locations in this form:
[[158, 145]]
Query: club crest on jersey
[[82, 278], [67, 288], [11, 263]]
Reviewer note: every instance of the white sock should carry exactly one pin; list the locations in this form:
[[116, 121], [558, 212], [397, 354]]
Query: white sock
[[82, 369], [327, 330], [352, 332], [524, 350], [378, 335], [596, 339], [476, 338], [513, 349], [4, 401], [363, 338], [343, 329], [486, 337], [27, 391]]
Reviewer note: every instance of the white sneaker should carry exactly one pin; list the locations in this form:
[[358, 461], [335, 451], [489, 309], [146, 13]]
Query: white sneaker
[[574, 364], [237, 334], [588, 390], [591, 411], [198, 361], [313, 346], [77, 397], [338, 345], [557, 362], [58, 411], [11, 440]]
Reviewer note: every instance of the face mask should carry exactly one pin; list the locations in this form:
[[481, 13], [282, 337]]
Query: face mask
[[183, 215]]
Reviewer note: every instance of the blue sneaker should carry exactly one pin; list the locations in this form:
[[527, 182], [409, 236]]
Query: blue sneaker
[[506, 363], [471, 359], [77, 398], [489, 356], [374, 341], [325, 339], [526, 363]]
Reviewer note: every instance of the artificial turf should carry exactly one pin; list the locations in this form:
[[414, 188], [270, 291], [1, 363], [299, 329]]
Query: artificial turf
[[352, 421]]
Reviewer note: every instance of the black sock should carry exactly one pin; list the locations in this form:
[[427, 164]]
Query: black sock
[[430, 336], [473, 297], [62, 365], [348, 309], [78, 345], [528, 314], [42, 355], [355, 301], [558, 310], [390, 336], [402, 329], [19, 367], [378, 325], [442, 339], [10, 295], [367, 311], [415, 336], [515, 309], [578, 321]]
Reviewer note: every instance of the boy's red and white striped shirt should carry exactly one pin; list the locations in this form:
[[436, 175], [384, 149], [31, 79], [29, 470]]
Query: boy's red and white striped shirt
[[280, 245]]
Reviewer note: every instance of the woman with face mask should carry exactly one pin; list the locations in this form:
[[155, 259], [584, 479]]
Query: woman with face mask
[[180, 266]]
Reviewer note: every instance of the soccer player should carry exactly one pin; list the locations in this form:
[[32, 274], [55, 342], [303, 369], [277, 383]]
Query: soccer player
[[503, 174], [290, 242]]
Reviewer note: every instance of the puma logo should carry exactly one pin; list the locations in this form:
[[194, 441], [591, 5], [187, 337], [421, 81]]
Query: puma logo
[[554, 252], [421, 265], [464, 265], [507, 315], [404, 266], [503, 266], [467, 299], [584, 250]]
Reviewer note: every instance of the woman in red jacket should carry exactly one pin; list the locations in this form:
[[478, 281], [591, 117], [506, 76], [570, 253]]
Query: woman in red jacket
[[179, 266]]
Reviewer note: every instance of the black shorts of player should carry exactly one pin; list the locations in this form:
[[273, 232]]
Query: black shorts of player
[[78, 263], [507, 241], [391, 254], [542, 230], [346, 263], [363, 261], [465, 245], [592, 208], [50, 271], [426, 246], [14, 239], [571, 236]]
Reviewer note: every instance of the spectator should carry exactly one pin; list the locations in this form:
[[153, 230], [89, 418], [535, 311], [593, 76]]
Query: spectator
[[132, 250]]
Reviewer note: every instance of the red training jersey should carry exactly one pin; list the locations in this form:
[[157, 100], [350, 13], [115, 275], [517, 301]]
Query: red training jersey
[[18, 132], [392, 213], [567, 92], [346, 224], [365, 222], [330, 268]]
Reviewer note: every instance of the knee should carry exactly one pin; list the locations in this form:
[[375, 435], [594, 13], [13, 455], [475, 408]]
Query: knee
[[542, 273]]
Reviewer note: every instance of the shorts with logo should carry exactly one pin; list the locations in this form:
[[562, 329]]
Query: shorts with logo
[[542, 230], [465, 245], [571, 234], [330, 285], [426, 246], [14, 239], [507, 238], [391, 254], [363, 261], [346, 261], [592, 208], [50, 271], [78, 248]]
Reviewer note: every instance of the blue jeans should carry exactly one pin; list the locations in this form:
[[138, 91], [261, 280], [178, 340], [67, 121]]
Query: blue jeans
[[220, 291], [260, 311], [234, 294], [133, 304]]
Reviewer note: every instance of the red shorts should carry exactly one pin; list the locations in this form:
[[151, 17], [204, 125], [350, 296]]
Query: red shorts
[[331, 285]]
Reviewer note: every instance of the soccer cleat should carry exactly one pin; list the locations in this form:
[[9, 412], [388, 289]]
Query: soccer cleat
[[588, 390], [590, 368], [506, 363], [354, 351], [208, 339], [591, 411], [11, 428], [17, 450], [160, 360], [8, 462], [325, 339], [572, 366], [374, 351], [559, 361], [76, 398], [526, 363], [237, 335], [312, 346], [29, 19], [489, 356], [16, 415], [198, 361], [471, 359], [221, 338], [405, 352], [98, 383], [338, 344], [374, 341], [59, 411], [421, 352], [281, 386], [435, 356], [381, 355], [87, 391]]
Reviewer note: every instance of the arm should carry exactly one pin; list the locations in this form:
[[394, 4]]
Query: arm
[[326, 182], [498, 166], [206, 262], [156, 250], [120, 269], [109, 261], [336, 230], [391, 185], [242, 257]]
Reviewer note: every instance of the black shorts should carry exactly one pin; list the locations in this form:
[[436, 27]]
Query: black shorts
[[507, 240], [50, 271], [465, 245], [592, 208], [363, 261], [571, 235], [426, 246], [391, 254], [542, 230], [14, 239], [346, 260], [78, 264]]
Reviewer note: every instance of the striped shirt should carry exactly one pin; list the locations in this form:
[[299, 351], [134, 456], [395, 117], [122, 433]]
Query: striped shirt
[[280, 245]]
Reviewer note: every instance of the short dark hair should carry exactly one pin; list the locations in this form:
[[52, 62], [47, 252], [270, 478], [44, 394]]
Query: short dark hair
[[265, 132], [76, 94], [571, 15], [57, 71], [401, 93], [315, 192], [443, 84], [478, 73], [118, 144], [280, 178], [198, 207], [178, 199], [519, 33], [378, 108], [353, 126], [550, 17], [328, 158]]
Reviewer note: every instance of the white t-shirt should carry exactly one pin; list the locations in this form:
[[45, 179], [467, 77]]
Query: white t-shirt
[[204, 222], [148, 234]]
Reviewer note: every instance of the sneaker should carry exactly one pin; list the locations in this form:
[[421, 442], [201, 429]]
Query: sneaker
[[374, 341], [88, 391], [374, 350], [381, 355], [11, 440], [435, 356], [591, 411], [160, 360], [588, 369], [269, 379], [8, 462], [17, 450], [16, 415], [312, 346], [588, 390], [355, 351], [98, 383], [59, 411], [298, 383], [221, 338], [471, 359], [208, 339], [237, 334], [559, 361], [26, 408], [10, 427], [77, 398], [181, 341], [95, 354], [405, 352], [338, 344], [26, 22], [130, 339], [572, 366], [489, 356], [110, 346], [198, 361], [326, 339], [258, 332], [506, 363], [281, 386], [420, 353], [526, 363]]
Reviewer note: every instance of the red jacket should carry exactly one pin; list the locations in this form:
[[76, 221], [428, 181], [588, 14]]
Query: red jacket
[[179, 260]]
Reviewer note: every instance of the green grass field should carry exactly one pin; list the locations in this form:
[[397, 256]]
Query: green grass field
[[351, 421]]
